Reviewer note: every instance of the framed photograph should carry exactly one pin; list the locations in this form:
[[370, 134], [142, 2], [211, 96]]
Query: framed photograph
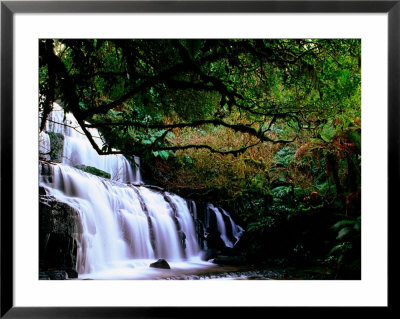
[[160, 158]]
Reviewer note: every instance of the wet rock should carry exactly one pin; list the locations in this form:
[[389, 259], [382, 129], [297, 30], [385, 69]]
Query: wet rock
[[72, 273], [53, 275], [59, 227], [161, 263], [214, 239], [57, 146], [43, 276], [46, 173], [211, 253], [153, 187], [44, 157], [207, 225], [230, 260], [42, 191]]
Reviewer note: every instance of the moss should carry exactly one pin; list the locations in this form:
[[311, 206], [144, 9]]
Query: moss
[[93, 170], [57, 146]]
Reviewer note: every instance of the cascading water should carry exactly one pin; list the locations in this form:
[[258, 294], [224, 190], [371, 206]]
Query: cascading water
[[235, 231], [126, 225], [78, 151]]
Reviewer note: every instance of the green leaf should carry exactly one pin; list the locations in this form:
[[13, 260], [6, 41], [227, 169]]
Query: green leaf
[[147, 141], [162, 154], [343, 232], [187, 159], [336, 248], [171, 135], [328, 131], [82, 105], [193, 46], [343, 223], [281, 191], [357, 227]]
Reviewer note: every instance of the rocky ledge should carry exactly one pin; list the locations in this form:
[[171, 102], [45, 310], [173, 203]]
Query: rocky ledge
[[59, 229]]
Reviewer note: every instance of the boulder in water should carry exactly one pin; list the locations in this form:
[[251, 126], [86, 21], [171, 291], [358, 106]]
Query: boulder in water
[[161, 263]]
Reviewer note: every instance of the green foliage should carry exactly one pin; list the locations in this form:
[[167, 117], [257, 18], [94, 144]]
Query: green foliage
[[324, 188], [277, 86], [339, 251], [284, 156], [262, 224], [347, 226], [281, 192], [347, 251], [162, 154], [193, 47], [328, 131]]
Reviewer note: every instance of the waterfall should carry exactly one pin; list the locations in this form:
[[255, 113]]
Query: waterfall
[[44, 145], [78, 150], [115, 223], [125, 225], [229, 235]]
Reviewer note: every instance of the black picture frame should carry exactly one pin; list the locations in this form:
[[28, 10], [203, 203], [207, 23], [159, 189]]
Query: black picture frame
[[9, 8]]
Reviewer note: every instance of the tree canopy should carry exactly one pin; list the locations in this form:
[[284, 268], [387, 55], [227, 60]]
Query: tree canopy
[[139, 93]]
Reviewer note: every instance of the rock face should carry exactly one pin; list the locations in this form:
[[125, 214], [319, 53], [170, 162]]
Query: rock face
[[207, 229], [57, 145], [161, 263], [230, 260], [59, 228], [53, 275]]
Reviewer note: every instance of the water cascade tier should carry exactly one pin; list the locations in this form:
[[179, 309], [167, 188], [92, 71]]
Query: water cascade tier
[[77, 150], [230, 232], [123, 225]]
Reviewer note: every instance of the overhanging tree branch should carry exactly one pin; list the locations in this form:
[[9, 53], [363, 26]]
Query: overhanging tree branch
[[66, 84], [204, 146], [236, 127], [260, 134], [159, 78]]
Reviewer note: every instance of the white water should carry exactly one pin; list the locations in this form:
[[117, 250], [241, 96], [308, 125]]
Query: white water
[[186, 222], [44, 143], [221, 225], [237, 231], [125, 227], [116, 232], [79, 151]]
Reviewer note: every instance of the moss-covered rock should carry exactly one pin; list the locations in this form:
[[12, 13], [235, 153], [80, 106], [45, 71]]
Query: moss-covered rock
[[93, 170], [57, 146]]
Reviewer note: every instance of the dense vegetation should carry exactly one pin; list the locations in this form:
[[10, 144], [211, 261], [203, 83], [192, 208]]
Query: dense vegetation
[[268, 129]]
